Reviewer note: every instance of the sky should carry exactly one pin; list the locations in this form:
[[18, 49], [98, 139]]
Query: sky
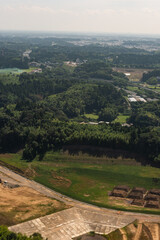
[[87, 16]]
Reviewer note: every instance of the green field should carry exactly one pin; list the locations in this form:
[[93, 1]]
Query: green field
[[154, 87], [11, 70], [11, 75], [132, 88], [91, 116], [121, 119], [82, 178], [15, 70]]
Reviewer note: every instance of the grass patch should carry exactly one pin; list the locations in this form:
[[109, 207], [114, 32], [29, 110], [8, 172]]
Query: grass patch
[[130, 88], [89, 181], [14, 159], [11, 71], [121, 119], [11, 75], [91, 116]]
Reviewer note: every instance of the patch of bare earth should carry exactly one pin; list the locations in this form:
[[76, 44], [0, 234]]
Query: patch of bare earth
[[23, 203], [90, 237], [30, 172], [60, 181]]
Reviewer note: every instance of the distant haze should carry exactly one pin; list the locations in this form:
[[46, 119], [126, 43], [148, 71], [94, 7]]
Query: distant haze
[[106, 16]]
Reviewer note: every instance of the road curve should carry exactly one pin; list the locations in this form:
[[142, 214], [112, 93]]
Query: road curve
[[10, 176]]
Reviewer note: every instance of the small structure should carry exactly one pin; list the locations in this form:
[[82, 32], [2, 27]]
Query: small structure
[[127, 125], [155, 191], [138, 202], [139, 189], [135, 195], [101, 122], [118, 193], [132, 99], [34, 64], [93, 123], [122, 187], [152, 204], [151, 196]]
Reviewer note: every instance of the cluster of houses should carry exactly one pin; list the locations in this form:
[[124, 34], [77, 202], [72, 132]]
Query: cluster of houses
[[103, 122], [135, 98], [94, 123], [139, 196], [76, 63], [27, 53], [38, 70]]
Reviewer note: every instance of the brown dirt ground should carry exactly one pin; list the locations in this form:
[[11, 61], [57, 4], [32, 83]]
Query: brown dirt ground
[[88, 237], [137, 231], [136, 74], [23, 203], [60, 181]]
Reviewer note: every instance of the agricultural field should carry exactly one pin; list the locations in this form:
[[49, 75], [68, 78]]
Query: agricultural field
[[91, 116], [121, 119], [11, 75], [11, 71], [154, 87], [90, 179], [135, 73], [132, 88]]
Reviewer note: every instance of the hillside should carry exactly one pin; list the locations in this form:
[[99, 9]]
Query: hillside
[[137, 231]]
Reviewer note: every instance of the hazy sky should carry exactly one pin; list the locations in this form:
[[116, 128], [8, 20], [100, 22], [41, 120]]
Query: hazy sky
[[106, 16]]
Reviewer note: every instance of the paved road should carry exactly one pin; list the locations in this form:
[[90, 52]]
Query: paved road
[[10, 176]]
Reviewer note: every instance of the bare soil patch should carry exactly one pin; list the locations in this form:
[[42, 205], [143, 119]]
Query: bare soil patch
[[135, 73], [60, 181], [30, 172], [90, 237], [23, 203]]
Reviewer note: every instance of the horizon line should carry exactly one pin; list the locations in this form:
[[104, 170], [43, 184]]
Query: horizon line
[[77, 32]]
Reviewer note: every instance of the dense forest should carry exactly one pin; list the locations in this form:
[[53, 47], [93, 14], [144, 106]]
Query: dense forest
[[5, 234], [45, 111]]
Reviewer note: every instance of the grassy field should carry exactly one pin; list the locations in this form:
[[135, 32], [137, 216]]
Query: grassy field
[[10, 71], [130, 88], [154, 87], [135, 73], [15, 70], [90, 181], [91, 116], [11, 75], [121, 119]]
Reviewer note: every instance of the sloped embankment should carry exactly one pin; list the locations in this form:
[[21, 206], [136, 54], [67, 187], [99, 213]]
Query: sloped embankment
[[137, 231]]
